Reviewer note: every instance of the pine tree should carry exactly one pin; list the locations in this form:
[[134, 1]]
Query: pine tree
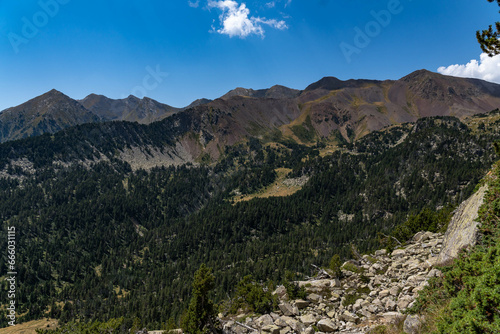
[[200, 315], [488, 39]]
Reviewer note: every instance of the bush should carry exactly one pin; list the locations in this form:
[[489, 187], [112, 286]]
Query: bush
[[474, 281], [254, 297], [95, 327], [293, 290], [425, 220], [352, 267], [350, 299], [336, 265]]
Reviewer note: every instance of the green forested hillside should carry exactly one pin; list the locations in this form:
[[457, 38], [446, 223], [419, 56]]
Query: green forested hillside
[[103, 242]]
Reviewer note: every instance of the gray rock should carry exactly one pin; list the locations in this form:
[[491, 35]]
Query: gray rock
[[283, 321], [434, 273], [391, 317], [418, 237], [390, 305], [287, 321], [366, 313], [288, 309], [415, 280], [263, 321], [403, 303], [349, 317], [301, 304], [308, 319], [286, 330], [373, 308], [273, 329], [412, 324], [384, 293], [394, 291], [398, 253], [314, 298], [326, 325], [336, 283], [462, 230], [280, 292], [309, 330], [300, 327]]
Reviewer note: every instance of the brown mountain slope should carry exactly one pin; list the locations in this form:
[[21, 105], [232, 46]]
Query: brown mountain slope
[[130, 109], [54, 111], [50, 112], [353, 107], [357, 107], [275, 92], [209, 128]]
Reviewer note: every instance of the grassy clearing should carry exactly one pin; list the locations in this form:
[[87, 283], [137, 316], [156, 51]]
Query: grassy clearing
[[277, 189], [30, 327]]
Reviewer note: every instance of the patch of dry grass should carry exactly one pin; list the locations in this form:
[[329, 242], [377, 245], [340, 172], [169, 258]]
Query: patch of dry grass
[[30, 327], [277, 189]]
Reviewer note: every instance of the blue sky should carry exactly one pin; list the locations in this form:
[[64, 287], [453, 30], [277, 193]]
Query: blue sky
[[179, 50]]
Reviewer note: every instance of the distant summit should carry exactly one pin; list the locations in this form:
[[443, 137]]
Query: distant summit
[[332, 83], [275, 92], [50, 112], [130, 109]]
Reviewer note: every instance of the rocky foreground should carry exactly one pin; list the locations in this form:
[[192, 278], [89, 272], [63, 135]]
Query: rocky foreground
[[375, 290]]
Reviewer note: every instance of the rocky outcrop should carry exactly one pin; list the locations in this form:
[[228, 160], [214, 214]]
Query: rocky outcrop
[[462, 230], [373, 291]]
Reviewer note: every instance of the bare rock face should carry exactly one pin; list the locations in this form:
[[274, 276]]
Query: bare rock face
[[462, 231]]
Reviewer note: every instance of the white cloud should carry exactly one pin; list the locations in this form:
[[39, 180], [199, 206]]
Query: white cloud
[[487, 68], [271, 4], [236, 20], [194, 4]]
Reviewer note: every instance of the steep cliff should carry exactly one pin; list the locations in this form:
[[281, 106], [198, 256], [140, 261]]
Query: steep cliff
[[463, 228]]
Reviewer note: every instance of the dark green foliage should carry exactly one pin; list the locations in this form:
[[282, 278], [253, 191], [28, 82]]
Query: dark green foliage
[[200, 316], [253, 179], [254, 297], [496, 145], [335, 265], [474, 284], [293, 289], [425, 220], [305, 131], [96, 327], [489, 39], [350, 299], [341, 141]]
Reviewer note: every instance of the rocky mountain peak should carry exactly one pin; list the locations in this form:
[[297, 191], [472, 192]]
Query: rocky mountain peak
[[333, 83], [275, 92], [418, 75]]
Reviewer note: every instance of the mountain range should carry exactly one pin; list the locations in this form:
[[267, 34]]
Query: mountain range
[[324, 109]]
